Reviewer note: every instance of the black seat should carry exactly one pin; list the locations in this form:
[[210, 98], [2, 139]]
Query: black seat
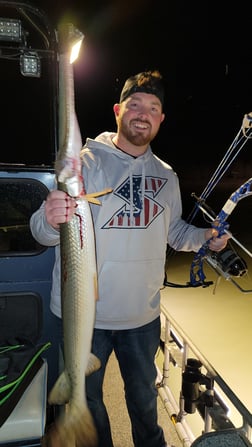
[[222, 438]]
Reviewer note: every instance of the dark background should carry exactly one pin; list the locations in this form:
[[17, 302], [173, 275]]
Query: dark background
[[203, 50]]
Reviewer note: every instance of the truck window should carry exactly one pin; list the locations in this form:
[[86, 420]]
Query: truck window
[[19, 198]]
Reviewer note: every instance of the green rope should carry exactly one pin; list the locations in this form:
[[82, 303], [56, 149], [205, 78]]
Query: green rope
[[15, 383]]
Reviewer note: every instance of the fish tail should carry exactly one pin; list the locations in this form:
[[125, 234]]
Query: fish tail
[[85, 432], [93, 364], [75, 430], [61, 391]]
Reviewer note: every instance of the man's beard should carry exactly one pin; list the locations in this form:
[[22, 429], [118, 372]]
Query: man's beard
[[135, 137]]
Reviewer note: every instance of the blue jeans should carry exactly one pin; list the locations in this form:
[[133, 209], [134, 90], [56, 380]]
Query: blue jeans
[[135, 350]]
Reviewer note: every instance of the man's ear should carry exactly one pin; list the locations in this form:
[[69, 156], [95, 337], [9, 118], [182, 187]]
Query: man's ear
[[116, 109]]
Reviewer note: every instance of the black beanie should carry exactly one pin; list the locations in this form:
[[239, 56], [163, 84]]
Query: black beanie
[[145, 82]]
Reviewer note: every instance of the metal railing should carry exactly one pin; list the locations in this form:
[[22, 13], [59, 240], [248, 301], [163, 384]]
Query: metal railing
[[205, 393]]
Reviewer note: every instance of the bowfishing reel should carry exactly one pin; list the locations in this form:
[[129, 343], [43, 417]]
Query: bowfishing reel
[[227, 262]]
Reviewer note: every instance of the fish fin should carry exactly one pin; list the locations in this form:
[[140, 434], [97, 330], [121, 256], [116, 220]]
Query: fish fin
[[61, 391], [93, 364], [73, 428]]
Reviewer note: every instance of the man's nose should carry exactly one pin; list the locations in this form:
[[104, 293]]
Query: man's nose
[[143, 112]]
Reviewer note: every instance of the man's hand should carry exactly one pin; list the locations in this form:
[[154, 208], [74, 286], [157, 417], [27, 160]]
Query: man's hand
[[59, 208], [216, 243]]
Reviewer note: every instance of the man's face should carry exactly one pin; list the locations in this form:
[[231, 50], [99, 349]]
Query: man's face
[[139, 118]]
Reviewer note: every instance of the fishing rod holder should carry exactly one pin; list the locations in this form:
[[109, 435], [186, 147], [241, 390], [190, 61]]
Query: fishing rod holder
[[192, 378]]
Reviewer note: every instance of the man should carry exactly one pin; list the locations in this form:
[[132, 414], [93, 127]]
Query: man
[[132, 228]]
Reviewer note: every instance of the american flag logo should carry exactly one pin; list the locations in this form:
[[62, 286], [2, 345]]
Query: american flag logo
[[143, 212]]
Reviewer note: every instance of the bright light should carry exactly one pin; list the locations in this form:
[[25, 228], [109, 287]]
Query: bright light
[[10, 30], [76, 38], [30, 64], [75, 50]]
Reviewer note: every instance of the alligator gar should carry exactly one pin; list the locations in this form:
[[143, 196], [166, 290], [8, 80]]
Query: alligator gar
[[79, 292], [75, 427]]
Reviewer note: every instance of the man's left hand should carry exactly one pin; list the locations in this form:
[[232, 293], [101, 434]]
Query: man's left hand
[[216, 243]]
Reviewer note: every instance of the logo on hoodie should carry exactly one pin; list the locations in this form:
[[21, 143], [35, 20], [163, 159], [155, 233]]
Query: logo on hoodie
[[140, 206]]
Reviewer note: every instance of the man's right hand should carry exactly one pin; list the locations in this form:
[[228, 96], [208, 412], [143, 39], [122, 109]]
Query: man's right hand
[[59, 208]]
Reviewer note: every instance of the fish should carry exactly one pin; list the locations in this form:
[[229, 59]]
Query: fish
[[79, 293], [75, 426]]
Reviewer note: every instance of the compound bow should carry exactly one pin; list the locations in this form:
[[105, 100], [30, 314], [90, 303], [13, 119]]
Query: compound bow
[[228, 263]]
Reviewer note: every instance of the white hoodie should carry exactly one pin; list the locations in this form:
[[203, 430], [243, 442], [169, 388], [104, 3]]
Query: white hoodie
[[132, 228]]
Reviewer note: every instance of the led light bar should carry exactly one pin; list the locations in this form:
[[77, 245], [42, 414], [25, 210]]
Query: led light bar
[[30, 64], [10, 30]]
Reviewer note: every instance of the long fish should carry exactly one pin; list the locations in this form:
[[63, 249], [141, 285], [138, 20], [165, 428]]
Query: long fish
[[75, 427]]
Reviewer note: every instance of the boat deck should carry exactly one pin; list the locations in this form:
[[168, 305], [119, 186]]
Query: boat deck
[[119, 419]]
